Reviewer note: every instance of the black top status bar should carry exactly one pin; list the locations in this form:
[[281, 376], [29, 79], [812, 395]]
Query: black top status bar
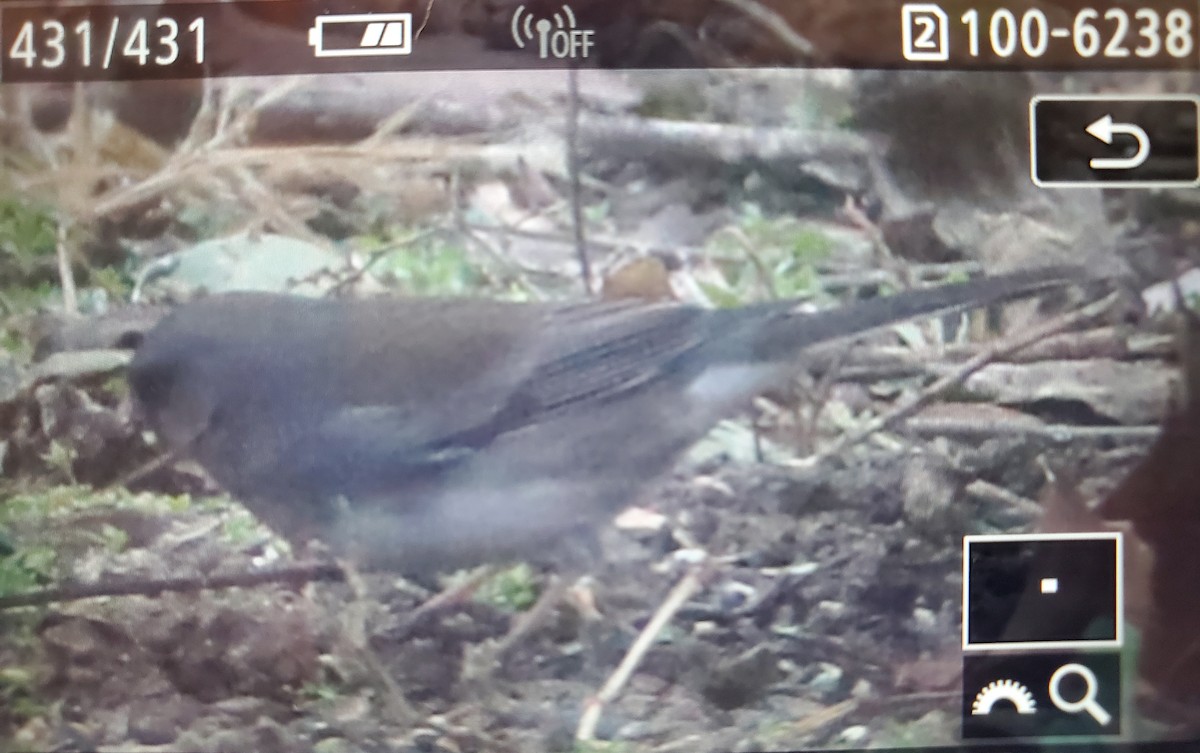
[[114, 41]]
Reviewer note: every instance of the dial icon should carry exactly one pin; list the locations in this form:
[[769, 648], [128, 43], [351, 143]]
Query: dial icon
[[1004, 690]]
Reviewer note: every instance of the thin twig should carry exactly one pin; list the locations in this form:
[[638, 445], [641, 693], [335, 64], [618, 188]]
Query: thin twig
[[683, 590], [775, 24], [354, 632], [958, 376], [457, 593], [762, 271], [66, 276], [519, 272], [393, 123], [998, 495], [206, 162], [573, 170], [819, 397], [356, 273], [252, 192], [204, 122], [424, 20], [295, 574], [145, 469]]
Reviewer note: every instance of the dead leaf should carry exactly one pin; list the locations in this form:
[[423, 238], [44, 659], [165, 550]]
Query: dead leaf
[[1161, 499], [646, 278], [1129, 394], [1065, 511]]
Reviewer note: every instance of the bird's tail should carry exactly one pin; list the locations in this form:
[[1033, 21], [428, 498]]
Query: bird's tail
[[776, 331]]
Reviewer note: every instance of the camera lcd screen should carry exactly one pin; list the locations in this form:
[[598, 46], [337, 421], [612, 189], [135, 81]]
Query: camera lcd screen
[[599, 376]]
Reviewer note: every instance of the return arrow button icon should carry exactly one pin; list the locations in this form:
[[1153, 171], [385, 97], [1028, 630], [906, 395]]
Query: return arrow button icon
[[1105, 130]]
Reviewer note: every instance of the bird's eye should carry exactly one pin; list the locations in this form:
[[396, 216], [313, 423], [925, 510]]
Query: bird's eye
[[152, 383], [130, 340]]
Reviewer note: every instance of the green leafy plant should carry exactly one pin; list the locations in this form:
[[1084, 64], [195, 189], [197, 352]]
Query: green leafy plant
[[113, 539], [426, 266], [60, 458], [240, 528], [27, 231], [512, 590], [26, 569], [320, 691], [112, 281], [18, 695], [604, 746], [774, 257]]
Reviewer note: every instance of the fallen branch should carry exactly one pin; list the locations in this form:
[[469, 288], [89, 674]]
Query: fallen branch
[[1057, 433], [837, 158], [294, 575]]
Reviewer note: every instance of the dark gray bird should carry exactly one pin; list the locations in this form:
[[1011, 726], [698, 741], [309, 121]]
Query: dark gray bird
[[423, 434]]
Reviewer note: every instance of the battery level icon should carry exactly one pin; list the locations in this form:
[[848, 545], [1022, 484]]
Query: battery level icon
[[361, 34]]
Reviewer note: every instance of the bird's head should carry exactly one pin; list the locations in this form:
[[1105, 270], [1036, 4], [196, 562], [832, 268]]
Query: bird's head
[[170, 393]]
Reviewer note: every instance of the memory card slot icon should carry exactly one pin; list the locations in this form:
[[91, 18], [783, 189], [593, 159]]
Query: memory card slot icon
[[361, 34]]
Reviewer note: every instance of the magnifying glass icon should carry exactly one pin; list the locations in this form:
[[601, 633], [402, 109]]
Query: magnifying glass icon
[[1087, 702]]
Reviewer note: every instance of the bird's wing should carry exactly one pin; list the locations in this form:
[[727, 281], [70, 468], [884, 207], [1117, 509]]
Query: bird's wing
[[597, 352], [594, 352], [580, 356]]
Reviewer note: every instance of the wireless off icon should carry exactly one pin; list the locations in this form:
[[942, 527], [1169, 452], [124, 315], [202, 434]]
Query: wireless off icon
[[557, 37]]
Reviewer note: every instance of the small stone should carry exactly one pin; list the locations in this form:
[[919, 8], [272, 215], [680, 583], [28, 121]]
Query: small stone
[[862, 689], [924, 620], [271, 737], [854, 735], [334, 745], [930, 497], [828, 680], [831, 609], [425, 739], [742, 680], [153, 728], [230, 741]]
